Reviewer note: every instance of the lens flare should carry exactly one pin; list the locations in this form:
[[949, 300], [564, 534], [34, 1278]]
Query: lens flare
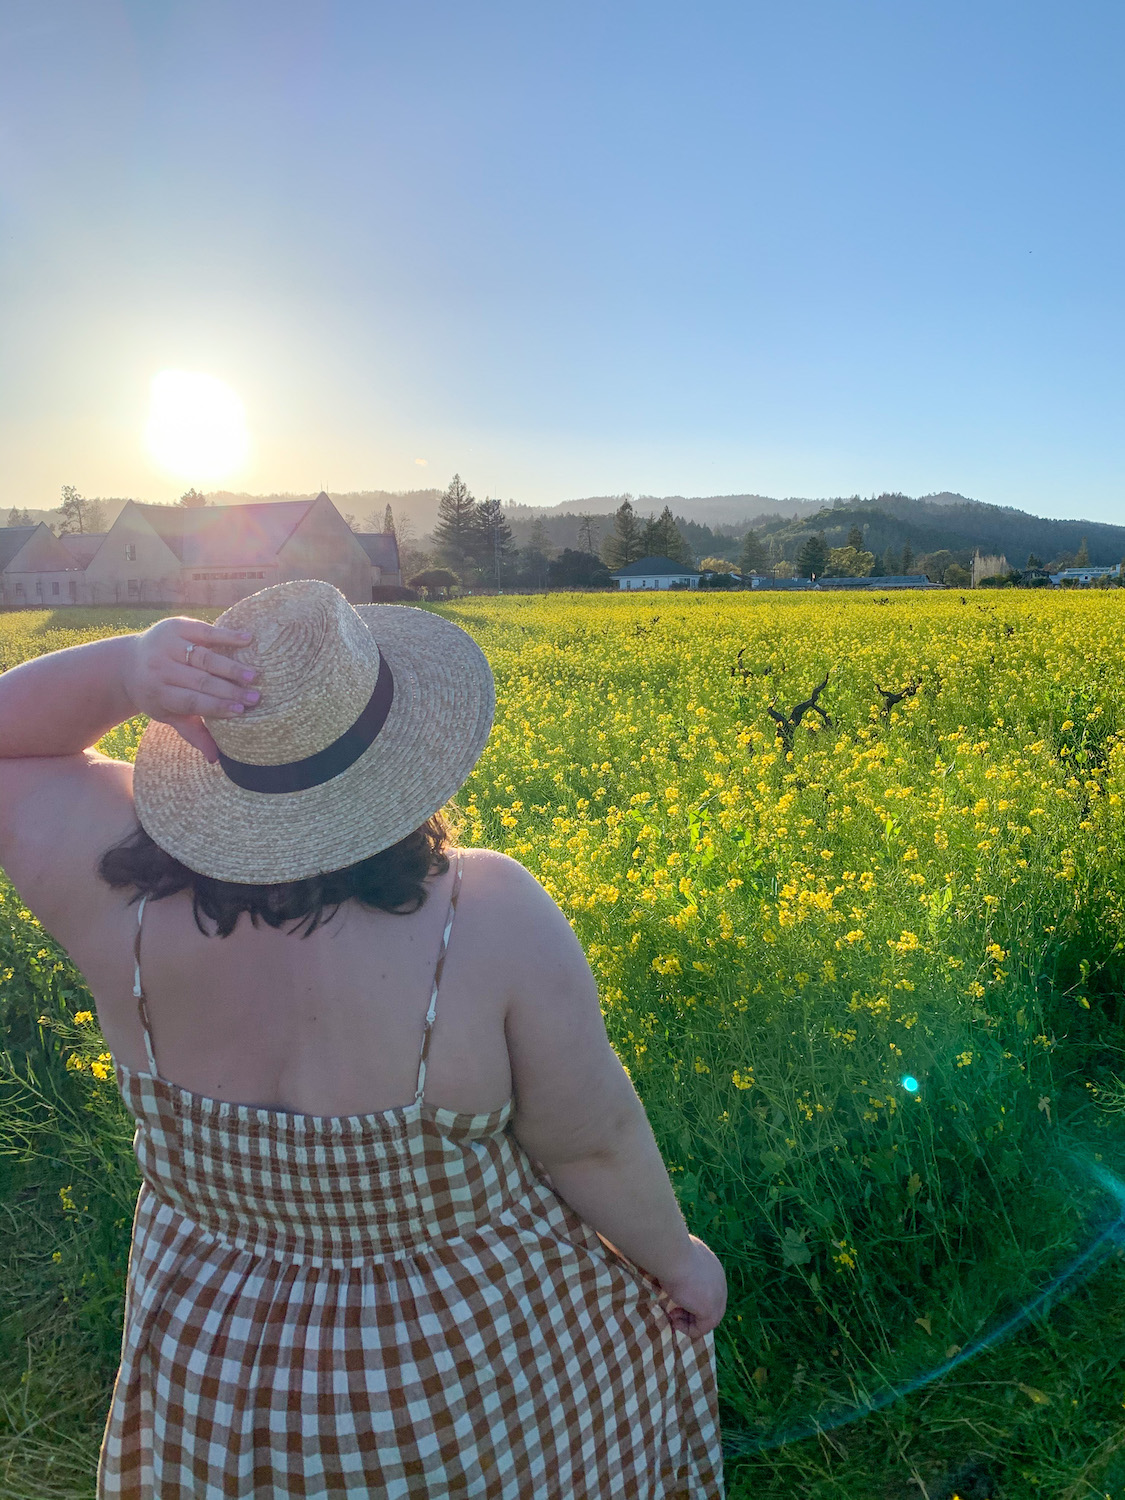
[[196, 426], [910, 1083], [1109, 1241]]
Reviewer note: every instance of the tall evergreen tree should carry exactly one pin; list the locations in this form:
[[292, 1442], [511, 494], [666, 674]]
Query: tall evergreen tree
[[538, 552], [624, 546], [493, 545], [1082, 556], [907, 557], [456, 532], [813, 557], [892, 563], [388, 522], [752, 558], [855, 538], [661, 537]]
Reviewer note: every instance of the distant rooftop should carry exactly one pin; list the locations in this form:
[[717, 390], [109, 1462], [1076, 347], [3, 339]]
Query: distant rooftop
[[12, 538], [904, 581], [82, 544], [381, 547], [226, 535]]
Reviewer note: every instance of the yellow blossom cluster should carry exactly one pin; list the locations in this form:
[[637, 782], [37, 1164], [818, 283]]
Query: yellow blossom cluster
[[843, 965]]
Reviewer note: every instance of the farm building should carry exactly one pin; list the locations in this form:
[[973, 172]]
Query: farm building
[[208, 555], [82, 545], [903, 581], [1085, 574], [851, 585], [36, 570], [656, 573], [382, 552]]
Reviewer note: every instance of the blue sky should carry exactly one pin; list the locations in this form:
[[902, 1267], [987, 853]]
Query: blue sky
[[800, 249]]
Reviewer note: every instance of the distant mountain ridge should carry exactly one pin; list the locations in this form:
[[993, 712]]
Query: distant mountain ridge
[[953, 523], [945, 521], [708, 510], [714, 524]]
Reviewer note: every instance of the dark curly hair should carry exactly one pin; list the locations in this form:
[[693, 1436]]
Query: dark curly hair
[[392, 880]]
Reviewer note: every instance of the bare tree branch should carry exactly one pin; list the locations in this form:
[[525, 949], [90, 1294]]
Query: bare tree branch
[[890, 698]]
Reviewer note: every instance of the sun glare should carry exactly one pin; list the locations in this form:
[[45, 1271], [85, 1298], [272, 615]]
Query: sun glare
[[196, 426]]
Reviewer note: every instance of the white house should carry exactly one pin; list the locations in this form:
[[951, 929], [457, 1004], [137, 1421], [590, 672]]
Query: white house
[[656, 573], [1087, 574]]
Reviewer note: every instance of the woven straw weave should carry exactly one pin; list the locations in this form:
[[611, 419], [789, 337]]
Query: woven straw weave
[[318, 660]]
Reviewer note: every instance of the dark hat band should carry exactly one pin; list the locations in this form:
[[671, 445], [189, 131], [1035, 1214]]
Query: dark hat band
[[299, 775]]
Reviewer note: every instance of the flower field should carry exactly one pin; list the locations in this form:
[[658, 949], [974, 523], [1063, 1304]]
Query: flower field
[[851, 874]]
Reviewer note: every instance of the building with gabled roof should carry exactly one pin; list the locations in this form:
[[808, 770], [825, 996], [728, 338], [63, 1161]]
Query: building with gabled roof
[[656, 573], [216, 555], [36, 570], [1087, 574], [904, 581], [82, 545], [382, 550]]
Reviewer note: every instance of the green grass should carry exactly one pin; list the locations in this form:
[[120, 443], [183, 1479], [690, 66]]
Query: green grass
[[933, 890]]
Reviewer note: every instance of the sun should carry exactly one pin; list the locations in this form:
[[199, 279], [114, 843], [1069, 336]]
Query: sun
[[196, 426]]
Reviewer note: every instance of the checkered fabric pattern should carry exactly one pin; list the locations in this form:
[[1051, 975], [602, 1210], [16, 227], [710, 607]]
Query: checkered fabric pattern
[[389, 1305]]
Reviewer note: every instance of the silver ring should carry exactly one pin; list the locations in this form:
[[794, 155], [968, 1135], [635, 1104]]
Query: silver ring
[[190, 649]]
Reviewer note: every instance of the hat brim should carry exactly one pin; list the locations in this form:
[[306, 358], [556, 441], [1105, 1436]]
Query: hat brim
[[437, 726]]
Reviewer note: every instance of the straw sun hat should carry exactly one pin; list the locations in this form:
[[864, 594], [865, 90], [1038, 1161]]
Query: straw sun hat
[[370, 720]]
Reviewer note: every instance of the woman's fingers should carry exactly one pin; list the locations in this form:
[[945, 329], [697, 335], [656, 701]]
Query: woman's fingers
[[188, 700], [195, 678], [202, 634], [691, 1323], [216, 664], [169, 681]]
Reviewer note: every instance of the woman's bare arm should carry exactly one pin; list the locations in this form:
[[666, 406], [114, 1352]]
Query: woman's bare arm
[[578, 1114], [63, 703], [61, 804]]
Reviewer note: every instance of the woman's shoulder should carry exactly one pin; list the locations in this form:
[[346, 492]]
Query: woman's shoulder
[[58, 815], [489, 867], [516, 919], [492, 877]]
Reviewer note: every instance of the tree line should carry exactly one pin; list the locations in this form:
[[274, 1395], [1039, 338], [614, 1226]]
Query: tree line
[[78, 515], [473, 545]]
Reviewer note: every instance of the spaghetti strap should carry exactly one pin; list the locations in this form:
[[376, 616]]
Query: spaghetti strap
[[427, 1030], [139, 994]]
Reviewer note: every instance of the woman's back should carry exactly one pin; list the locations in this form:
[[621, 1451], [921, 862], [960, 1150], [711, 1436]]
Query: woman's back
[[327, 1024], [384, 1299]]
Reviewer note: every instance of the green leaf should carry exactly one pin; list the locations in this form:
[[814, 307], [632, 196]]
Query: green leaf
[[794, 1251]]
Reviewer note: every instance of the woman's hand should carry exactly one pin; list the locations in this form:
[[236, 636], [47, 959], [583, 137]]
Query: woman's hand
[[177, 673], [698, 1292]]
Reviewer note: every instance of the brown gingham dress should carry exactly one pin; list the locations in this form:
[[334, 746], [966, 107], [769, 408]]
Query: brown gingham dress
[[387, 1305]]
